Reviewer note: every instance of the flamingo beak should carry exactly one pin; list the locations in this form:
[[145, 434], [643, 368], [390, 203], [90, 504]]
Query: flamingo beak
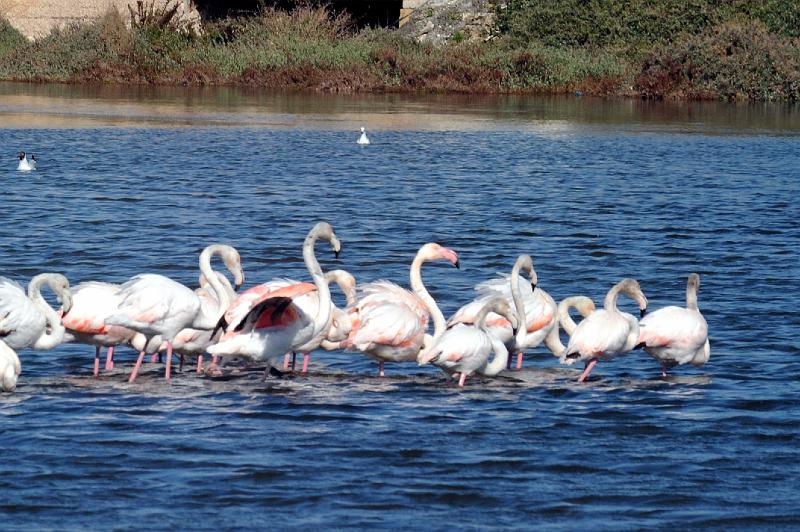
[[457, 264], [642, 312], [336, 253]]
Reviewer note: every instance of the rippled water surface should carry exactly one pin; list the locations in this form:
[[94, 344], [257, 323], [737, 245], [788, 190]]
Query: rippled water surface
[[141, 180]]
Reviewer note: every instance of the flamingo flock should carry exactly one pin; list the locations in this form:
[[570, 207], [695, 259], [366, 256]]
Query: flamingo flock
[[271, 322]]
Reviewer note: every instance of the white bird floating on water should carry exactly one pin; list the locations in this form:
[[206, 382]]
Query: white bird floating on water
[[363, 139], [24, 164]]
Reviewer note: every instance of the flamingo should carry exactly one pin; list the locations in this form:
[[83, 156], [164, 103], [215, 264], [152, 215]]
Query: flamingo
[[533, 306], [389, 323], [28, 320], [606, 332], [464, 349], [275, 318], [10, 368], [160, 308], [363, 139], [92, 303], [675, 335]]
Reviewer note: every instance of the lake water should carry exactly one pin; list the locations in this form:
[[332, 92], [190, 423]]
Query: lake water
[[140, 179]]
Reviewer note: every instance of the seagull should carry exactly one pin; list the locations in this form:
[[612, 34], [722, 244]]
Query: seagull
[[363, 139], [24, 164]]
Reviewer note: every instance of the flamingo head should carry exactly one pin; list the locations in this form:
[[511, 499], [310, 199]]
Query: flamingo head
[[631, 288], [525, 262], [324, 231], [233, 261], [694, 281], [60, 285], [433, 251], [585, 306]]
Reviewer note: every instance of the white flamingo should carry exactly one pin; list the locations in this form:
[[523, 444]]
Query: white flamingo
[[10, 368], [676, 335], [464, 349], [27, 320], [533, 306], [160, 308], [606, 332], [272, 319], [389, 323]]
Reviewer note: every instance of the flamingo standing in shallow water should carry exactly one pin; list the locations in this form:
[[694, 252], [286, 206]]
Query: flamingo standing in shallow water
[[606, 332], [389, 323], [534, 307], [92, 303], [272, 319], [10, 368], [676, 335], [160, 308], [464, 349]]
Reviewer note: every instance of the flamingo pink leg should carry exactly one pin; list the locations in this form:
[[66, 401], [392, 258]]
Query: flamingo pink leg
[[462, 379], [519, 360], [306, 356], [380, 369], [138, 365], [169, 361], [286, 361], [110, 358], [96, 360], [200, 363], [587, 370]]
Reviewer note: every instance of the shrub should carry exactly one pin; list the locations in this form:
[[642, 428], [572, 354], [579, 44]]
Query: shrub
[[731, 61]]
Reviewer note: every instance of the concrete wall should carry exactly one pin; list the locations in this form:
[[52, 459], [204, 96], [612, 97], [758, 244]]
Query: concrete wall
[[36, 18]]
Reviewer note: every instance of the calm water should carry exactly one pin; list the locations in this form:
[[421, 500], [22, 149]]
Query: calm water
[[594, 190]]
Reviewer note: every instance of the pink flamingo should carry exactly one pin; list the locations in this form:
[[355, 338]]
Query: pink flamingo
[[464, 349], [10, 368], [606, 332], [92, 303], [274, 318], [675, 335], [160, 308], [389, 323]]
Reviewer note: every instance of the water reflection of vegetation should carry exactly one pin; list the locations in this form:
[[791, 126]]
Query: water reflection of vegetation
[[663, 49]]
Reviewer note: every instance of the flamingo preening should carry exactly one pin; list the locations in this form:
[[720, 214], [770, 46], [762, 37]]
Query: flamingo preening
[[464, 349], [606, 332]]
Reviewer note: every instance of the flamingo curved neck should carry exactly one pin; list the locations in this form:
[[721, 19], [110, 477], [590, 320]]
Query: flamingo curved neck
[[323, 317], [691, 297], [54, 331], [519, 304], [207, 319], [439, 324], [500, 360], [610, 302]]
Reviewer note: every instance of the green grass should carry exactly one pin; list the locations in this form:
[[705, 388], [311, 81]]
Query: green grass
[[597, 46]]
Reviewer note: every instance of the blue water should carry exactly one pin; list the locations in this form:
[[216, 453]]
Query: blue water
[[594, 191]]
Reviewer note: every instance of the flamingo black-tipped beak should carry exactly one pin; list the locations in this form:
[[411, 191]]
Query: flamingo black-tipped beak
[[237, 287], [642, 313], [336, 254], [457, 264], [533, 286]]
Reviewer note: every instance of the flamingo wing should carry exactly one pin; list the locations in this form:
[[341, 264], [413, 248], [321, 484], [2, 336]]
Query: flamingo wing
[[388, 325]]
